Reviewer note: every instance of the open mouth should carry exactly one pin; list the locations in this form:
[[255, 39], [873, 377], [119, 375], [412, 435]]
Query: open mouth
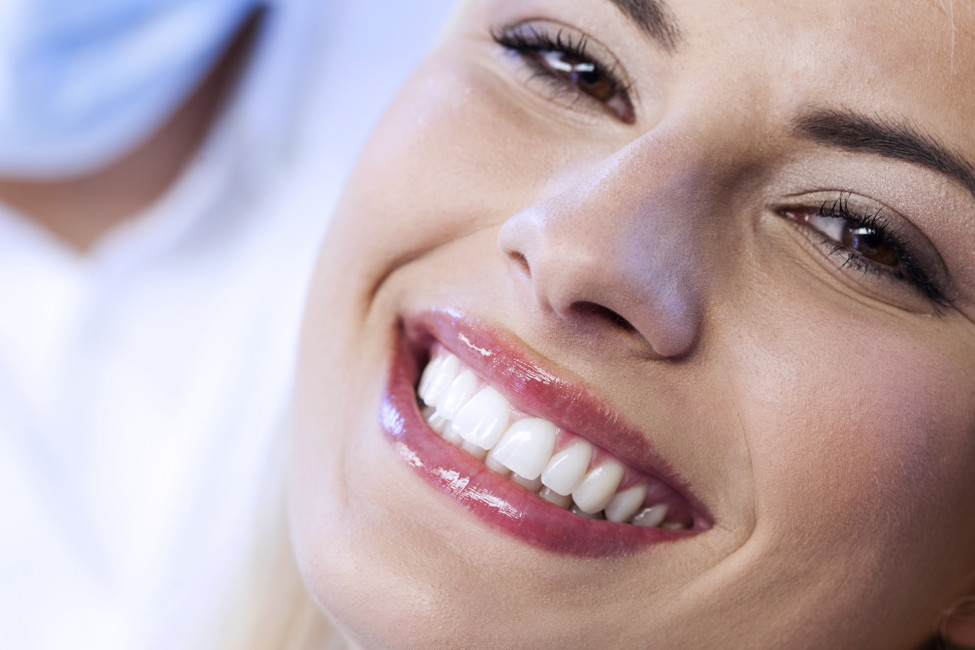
[[539, 455], [533, 454]]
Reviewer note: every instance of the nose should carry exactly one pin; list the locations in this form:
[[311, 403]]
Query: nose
[[621, 247]]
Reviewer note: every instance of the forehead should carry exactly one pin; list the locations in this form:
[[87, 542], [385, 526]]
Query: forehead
[[744, 70], [910, 60]]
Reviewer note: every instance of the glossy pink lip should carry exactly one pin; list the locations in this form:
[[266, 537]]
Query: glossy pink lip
[[496, 500]]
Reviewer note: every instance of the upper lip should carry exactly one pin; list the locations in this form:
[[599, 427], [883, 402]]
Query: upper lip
[[532, 386]]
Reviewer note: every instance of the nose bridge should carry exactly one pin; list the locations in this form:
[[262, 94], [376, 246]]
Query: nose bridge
[[620, 235]]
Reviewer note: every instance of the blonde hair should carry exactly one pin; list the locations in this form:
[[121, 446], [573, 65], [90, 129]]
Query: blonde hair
[[268, 606]]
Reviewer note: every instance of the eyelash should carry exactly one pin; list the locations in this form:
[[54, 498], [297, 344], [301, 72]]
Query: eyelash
[[908, 269], [530, 42]]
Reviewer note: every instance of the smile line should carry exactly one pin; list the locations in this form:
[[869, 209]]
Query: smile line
[[498, 500]]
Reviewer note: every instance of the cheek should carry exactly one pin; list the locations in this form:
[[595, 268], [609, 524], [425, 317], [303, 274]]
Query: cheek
[[862, 436], [434, 191], [860, 431], [860, 418]]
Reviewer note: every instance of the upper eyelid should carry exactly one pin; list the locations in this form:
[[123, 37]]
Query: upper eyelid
[[898, 225], [827, 249], [607, 61], [851, 131], [935, 282]]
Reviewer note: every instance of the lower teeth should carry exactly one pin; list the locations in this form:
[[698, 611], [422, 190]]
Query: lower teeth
[[616, 510]]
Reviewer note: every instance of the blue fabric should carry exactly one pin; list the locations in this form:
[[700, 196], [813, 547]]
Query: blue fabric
[[82, 82]]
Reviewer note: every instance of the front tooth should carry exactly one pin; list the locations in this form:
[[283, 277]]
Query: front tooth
[[582, 513], [436, 422], [526, 447], [567, 468], [626, 503], [562, 501], [651, 517], [441, 380], [474, 450], [452, 437], [532, 485], [495, 466], [598, 487], [457, 394], [484, 419], [429, 373]]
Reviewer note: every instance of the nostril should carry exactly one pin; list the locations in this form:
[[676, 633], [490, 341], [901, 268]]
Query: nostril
[[521, 261], [622, 322], [594, 310]]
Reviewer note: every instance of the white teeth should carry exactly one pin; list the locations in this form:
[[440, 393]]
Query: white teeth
[[440, 380], [651, 517], [484, 419], [598, 487], [526, 447], [582, 513], [474, 450], [436, 422], [532, 485], [565, 471], [495, 466], [626, 503], [431, 371], [457, 394], [452, 437], [562, 501], [479, 422]]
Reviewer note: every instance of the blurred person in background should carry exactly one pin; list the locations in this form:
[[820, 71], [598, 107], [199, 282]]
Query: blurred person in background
[[166, 168]]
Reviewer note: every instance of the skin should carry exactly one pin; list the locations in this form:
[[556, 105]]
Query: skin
[[823, 414]]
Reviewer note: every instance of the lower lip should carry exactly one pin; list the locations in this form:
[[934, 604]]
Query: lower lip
[[500, 503]]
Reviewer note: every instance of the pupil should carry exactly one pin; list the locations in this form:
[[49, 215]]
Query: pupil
[[584, 74], [589, 76], [868, 243], [592, 82]]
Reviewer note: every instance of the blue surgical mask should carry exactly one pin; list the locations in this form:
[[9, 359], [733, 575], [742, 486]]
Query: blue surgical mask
[[82, 82]]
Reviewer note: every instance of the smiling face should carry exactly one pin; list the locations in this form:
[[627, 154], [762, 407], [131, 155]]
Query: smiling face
[[724, 254]]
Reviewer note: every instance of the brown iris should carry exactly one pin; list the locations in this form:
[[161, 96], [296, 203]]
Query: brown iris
[[584, 74], [871, 244]]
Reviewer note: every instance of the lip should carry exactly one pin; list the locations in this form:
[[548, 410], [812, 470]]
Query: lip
[[533, 388]]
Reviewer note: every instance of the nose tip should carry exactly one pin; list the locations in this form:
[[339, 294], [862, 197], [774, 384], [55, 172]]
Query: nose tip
[[606, 274]]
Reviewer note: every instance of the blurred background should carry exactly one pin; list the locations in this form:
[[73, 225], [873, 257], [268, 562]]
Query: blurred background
[[167, 168]]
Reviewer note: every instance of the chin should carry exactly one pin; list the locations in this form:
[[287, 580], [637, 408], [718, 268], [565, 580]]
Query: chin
[[414, 517]]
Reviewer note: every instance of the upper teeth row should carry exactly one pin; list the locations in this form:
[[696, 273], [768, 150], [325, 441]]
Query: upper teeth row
[[475, 416]]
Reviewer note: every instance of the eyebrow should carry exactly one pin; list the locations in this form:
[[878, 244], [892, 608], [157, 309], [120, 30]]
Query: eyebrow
[[838, 128], [655, 18], [858, 133]]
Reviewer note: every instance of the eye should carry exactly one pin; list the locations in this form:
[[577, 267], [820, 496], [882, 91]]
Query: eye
[[570, 63], [586, 75], [869, 243]]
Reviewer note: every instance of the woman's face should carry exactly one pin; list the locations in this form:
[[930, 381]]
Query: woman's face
[[730, 246]]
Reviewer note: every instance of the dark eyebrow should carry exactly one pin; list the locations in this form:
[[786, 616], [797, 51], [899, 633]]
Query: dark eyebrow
[[862, 134], [655, 18]]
